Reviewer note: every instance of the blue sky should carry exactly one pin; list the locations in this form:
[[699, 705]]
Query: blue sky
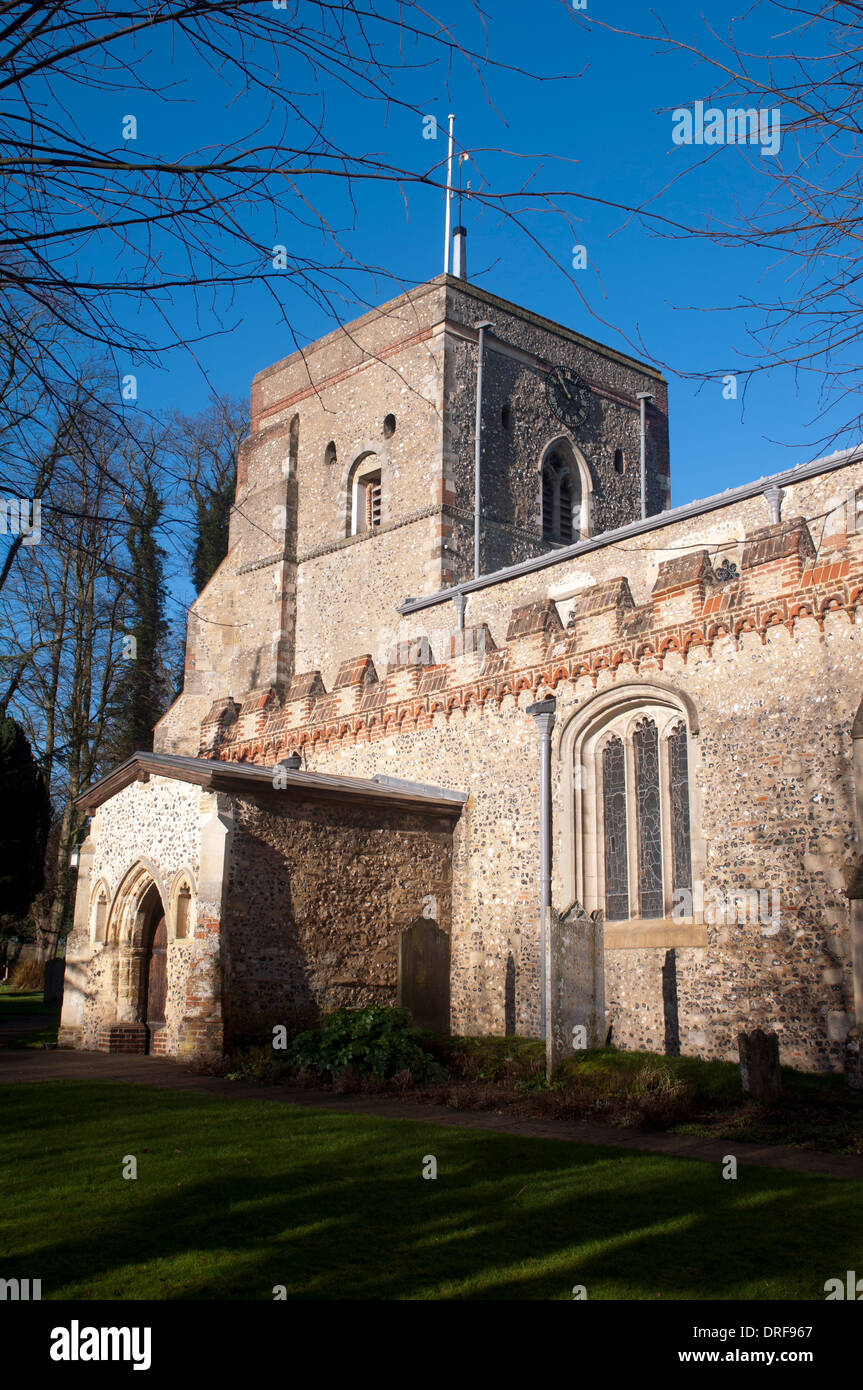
[[605, 133]]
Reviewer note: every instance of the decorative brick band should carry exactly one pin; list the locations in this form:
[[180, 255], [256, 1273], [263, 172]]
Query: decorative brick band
[[314, 388], [689, 608]]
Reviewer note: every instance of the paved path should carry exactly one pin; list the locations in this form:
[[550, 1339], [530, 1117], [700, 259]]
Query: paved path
[[65, 1065]]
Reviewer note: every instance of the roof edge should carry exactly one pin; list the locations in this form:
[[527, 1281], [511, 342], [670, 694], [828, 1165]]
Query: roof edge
[[799, 473], [250, 778]]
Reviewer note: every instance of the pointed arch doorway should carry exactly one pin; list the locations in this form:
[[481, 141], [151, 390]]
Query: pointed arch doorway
[[154, 972]]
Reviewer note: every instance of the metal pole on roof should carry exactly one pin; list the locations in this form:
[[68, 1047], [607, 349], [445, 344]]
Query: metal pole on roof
[[448, 200]]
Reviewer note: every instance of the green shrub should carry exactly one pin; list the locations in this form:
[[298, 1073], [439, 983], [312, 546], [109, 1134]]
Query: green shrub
[[659, 1096], [259, 1063], [372, 1041], [509, 1060]]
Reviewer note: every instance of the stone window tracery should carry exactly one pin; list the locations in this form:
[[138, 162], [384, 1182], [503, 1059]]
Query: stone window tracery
[[679, 787], [649, 823], [632, 800], [614, 813]]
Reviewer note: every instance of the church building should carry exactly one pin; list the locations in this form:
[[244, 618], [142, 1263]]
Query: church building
[[476, 721]]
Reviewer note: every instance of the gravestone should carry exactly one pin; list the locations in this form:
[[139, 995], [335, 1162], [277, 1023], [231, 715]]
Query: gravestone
[[759, 1064], [53, 987], [576, 986], [423, 985]]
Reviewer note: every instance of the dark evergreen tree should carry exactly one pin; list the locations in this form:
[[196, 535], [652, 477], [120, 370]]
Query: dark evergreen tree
[[25, 815], [214, 498], [143, 691]]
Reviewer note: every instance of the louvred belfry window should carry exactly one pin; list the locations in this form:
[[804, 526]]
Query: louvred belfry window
[[560, 500], [373, 502], [365, 496], [564, 525], [548, 482]]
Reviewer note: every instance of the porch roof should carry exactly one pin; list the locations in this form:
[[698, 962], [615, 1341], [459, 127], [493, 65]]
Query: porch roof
[[246, 779]]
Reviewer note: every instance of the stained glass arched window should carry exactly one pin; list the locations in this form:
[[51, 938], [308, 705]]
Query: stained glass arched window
[[633, 809], [649, 820], [681, 846], [614, 827]]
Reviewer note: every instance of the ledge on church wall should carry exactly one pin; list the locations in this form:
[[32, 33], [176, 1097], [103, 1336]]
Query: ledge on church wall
[[357, 670], [599, 598], [785, 540], [223, 711], [531, 618], [693, 568], [307, 686], [412, 653], [657, 933]]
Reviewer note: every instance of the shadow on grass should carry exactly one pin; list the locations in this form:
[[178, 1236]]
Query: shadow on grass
[[232, 1200]]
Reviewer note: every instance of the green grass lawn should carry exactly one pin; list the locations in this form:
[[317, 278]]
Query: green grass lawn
[[15, 1006], [234, 1197]]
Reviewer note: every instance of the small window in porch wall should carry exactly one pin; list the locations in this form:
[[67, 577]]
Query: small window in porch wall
[[182, 914], [101, 924]]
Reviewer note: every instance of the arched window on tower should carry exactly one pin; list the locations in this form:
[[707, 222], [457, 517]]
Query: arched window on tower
[[366, 496], [561, 499]]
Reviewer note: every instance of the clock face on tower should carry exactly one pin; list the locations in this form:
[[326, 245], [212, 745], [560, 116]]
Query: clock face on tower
[[568, 396]]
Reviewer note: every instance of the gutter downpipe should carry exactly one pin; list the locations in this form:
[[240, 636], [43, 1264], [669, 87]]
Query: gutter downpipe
[[480, 347], [543, 713], [460, 601], [643, 397]]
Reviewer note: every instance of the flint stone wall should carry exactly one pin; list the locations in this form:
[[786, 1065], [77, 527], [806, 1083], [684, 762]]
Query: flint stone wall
[[771, 665], [316, 899], [157, 824]]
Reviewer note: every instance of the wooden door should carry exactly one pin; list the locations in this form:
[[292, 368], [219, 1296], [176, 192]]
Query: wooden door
[[157, 977]]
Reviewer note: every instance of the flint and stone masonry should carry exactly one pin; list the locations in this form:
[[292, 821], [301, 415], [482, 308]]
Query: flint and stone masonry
[[707, 756]]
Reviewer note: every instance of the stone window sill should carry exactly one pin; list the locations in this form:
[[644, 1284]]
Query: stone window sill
[[653, 933]]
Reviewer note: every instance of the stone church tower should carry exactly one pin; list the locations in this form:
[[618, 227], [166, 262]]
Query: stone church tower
[[355, 488], [352, 774]]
